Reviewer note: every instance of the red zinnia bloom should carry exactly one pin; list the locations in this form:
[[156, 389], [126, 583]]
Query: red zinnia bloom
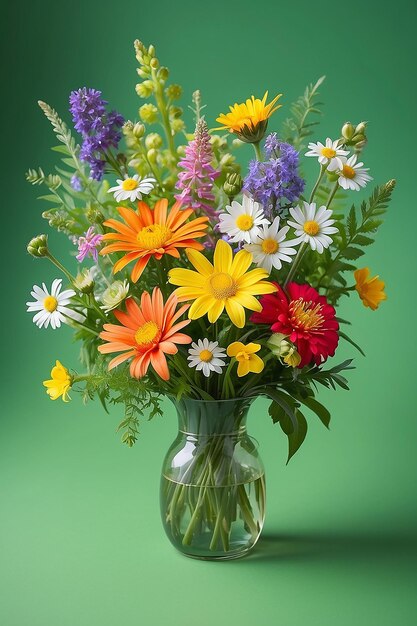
[[305, 317]]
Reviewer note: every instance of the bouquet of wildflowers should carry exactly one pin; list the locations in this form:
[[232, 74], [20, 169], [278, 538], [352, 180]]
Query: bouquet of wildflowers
[[196, 276]]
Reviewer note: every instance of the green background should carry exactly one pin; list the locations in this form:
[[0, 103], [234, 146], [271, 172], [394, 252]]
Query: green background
[[81, 542]]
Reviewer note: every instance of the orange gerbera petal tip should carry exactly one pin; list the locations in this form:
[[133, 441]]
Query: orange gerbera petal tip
[[147, 233], [147, 333]]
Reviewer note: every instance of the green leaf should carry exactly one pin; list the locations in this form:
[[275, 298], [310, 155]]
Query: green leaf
[[287, 404], [318, 409], [296, 438], [352, 253], [361, 240], [352, 343]]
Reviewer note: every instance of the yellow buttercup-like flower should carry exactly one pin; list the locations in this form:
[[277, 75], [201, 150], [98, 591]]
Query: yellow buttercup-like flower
[[370, 290], [224, 284], [247, 360], [59, 384], [248, 120]]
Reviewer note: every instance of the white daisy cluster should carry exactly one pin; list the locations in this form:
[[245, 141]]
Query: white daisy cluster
[[351, 174]]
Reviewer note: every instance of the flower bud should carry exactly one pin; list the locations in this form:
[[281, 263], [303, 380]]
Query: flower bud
[[361, 128], [143, 73], [138, 130], [174, 92], [177, 125], [153, 140], [181, 151], [279, 345], [233, 184], [38, 246], [148, 113], [218, 142], [348, 130], [152, 155], [114, 295], [151, 50], [163, 74], [293, 359], [227, 160], [127, 127], [154, 63], [169, 183], [175, 112], [145, 89], [95, 216], [84, 281]]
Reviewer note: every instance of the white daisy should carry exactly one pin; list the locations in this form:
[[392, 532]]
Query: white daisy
[[114, 295], [206, 355], [328, 154], [132, 188], [242, 222], [313, 225], [269, 249], [52, 307], [352, 175]]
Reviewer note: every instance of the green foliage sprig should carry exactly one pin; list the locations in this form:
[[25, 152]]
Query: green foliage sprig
[[298, 127]]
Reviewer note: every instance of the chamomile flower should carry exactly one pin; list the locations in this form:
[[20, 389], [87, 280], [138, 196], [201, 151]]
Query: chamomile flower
[[328, 154], [352, 175], [313, 225], [132, 188], [206, 355], [242, 222], [269, 248], [51, 307]]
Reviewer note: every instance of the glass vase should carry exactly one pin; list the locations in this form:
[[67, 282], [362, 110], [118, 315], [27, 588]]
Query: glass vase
[[213, 484]]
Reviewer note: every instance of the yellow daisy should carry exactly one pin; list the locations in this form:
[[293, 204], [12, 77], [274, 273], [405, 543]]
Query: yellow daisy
[[59, 384], [247, 360], [249, 119], [224, 284]]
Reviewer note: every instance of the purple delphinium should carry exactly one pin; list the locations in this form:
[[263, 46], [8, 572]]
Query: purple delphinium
[[196, 180], [100, 130], [275, 182], [87, 245]]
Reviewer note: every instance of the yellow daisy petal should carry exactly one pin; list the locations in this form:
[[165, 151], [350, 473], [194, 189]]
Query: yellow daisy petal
[[223, 257]]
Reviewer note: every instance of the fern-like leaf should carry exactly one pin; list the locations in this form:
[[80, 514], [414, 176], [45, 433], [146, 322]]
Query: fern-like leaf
[[298, 127]]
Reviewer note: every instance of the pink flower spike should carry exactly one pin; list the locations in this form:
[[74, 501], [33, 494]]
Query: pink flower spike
[[87, 245], [196, 180]]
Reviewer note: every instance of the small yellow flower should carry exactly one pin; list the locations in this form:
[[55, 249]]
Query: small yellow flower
[[248, 120], [224, 284], [293, 359], [60, 383], [370, 290], [246, 358]]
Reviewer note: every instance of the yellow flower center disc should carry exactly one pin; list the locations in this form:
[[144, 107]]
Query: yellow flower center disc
[[129, 184], [348, 172], [311, 227], [206, 356], [244, 222], [306, 316], [153, 236], [50, 304], [147, 335], [329, 153], [270, 246], [222, 285]]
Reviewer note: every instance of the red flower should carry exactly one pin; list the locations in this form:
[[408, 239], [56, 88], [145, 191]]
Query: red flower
[[307, 319]]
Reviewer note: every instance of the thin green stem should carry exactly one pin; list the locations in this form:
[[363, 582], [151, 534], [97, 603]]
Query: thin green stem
[[295, 263], [59, 265], [257, 148], [332, 194], [318, 181], [160, 101]]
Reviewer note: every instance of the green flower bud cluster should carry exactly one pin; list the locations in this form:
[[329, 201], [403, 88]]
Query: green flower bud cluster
[[148, 113], [94, 216], [233, 184], [59, 220], [38, 246], [354, 135]]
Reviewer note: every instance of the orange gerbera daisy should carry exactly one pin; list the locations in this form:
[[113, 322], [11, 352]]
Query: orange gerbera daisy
[[152, 233], [147, 334]]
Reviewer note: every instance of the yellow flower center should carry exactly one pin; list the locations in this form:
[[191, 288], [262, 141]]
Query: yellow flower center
[[306, 315], [50, 304], [242, 356], [269, 246], [311, 227], [147, 335], [206, 356], [153, 236], [244, 222], [129, 184], [329, 153], [348, 172], [222, 285]]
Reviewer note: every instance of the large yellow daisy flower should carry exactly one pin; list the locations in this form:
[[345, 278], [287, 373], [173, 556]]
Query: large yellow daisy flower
[[249, 119], [225, 283]]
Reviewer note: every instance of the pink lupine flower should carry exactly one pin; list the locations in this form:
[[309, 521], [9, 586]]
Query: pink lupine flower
[[196, 180], [87, 245]]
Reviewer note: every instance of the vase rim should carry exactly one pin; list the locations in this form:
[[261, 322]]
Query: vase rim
[[214, 401]]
